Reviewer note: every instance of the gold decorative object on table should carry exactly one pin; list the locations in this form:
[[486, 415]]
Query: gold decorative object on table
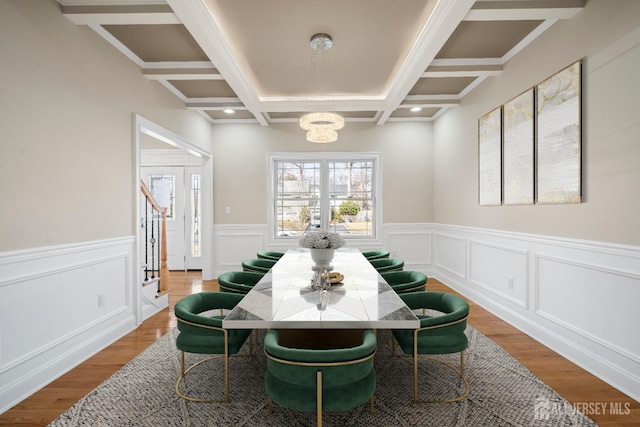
[[336, 277]]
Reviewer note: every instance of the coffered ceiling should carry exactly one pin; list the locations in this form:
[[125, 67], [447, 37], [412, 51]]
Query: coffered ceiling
[[254, 56]]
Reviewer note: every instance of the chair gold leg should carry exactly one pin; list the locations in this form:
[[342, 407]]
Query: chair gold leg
[[460, 373], [319, 397], [226, 375], [184, 372], [415, 366], [415, 377]]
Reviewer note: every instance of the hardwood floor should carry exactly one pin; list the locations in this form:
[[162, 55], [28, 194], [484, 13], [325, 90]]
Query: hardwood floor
[[570, 381]]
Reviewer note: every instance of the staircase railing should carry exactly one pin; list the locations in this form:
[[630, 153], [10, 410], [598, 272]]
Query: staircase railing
[[155, 246]]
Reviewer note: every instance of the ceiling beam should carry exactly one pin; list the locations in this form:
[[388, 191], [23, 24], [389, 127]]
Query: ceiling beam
[[120, 15], [202, 25], [492, 10], [428, 101], [283, 105], [214, 104], [443, 21], [181, 74]]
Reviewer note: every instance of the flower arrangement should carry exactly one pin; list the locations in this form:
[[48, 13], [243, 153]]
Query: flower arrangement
[[321, 240]]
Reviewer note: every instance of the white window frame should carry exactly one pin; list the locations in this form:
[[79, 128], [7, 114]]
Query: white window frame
[[290, 241]]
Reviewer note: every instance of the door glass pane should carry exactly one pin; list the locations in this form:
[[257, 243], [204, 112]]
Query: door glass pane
[[195, 194], [162, 188]]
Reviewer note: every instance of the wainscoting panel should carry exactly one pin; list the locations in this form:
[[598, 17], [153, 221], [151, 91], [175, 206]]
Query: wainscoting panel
[[451, 254], [411, 243], [59, 306], [235, 243], [509, 281], [577, 297], [607, 317]]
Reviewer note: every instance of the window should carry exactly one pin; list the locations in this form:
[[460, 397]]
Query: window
[[195, 197], [162, 188], [325, 191]]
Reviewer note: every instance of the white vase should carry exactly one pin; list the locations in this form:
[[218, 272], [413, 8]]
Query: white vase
[[322, 257]]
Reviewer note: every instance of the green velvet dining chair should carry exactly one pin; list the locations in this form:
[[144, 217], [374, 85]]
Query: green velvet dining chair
[[441, 331], [320, 379], [258, 265], [270, 255], [378, 254], [386, 265], [406, 281], [201, 332], [238, 281]]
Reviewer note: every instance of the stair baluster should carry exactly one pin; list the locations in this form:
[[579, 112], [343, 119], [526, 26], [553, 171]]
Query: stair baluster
[[157, 242]]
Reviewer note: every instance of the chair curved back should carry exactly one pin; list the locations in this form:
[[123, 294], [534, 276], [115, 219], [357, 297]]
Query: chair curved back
[[271, 255], [347, 376], [379, 254], [385, 265], [238, 281], [406, 281], [201, 332], [258, 265], [438, 334]]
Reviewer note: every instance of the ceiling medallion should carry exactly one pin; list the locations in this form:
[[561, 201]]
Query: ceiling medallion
[[321, 41], [321, 127]]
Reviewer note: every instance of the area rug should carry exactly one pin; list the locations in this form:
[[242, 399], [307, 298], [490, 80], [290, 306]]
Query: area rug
[[503, 393]]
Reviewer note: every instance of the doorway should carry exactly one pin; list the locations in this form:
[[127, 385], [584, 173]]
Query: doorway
[[144, 128], [180, 189]]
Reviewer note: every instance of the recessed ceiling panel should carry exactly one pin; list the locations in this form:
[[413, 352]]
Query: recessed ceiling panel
[[441, 85], [204, 88], [407, 113], [346, 114], [261, 58], [270, 39], [221, 115], [157, 43], [485, 39]]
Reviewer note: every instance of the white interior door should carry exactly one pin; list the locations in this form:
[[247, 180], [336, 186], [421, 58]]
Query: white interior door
[[167, 185]]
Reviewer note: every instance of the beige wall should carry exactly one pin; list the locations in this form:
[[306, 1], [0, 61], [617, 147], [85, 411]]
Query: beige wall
[[611, 131], [240, 166], [67, 100], [66, 162]]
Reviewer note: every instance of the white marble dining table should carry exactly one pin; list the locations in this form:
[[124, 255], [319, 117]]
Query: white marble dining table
[[286, 299]]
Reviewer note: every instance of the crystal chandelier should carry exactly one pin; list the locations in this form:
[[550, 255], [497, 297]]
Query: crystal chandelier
[[321, 127]]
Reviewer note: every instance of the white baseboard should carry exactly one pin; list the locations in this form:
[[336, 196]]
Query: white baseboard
[[50, 315]]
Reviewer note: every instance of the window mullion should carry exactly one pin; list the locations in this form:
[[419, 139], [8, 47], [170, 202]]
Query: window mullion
[[325, 214]]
